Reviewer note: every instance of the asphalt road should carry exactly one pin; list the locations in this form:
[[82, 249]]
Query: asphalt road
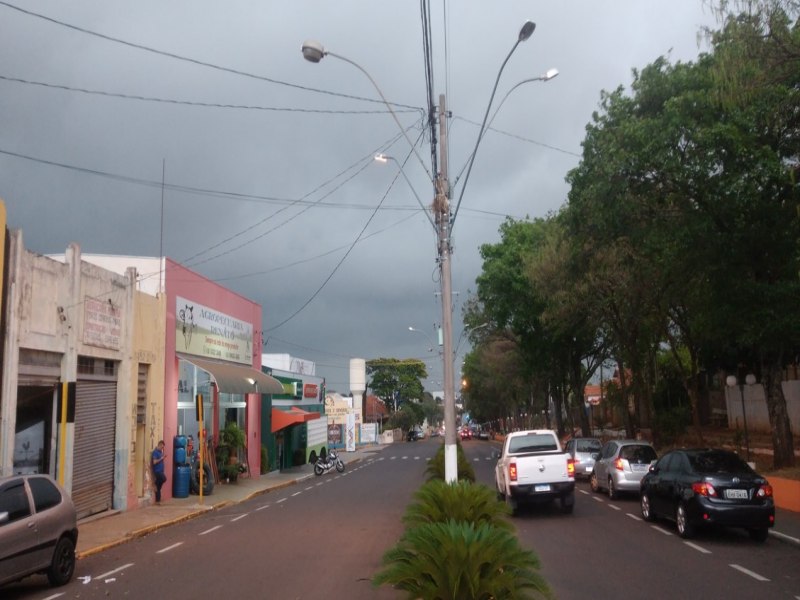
[[324, 539]]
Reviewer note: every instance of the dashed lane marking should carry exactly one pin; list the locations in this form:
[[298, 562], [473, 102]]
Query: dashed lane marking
[[614, 506], [117, 570], [167, 549], [311, 487], [210, 530], [783, 536], [698, 548], [297, 494], [234, 519], [660, 530], [58, 595], [633, 516], [584, 492], [281, 500], [752, 574], [262, 507], [597, 498]]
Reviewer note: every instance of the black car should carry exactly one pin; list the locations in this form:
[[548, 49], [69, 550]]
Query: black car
[[708, 487]]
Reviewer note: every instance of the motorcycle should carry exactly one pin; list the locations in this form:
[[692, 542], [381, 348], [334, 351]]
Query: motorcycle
[[330, 461]]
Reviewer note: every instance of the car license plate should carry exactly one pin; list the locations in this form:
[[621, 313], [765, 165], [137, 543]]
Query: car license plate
[[736, 494], [541, 488], [637, 467]]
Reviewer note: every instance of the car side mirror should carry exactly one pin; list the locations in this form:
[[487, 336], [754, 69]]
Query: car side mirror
[[3, 518], [596, 456], [653, 468]]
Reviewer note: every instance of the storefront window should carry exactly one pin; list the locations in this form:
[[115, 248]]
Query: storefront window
[[193, 381]]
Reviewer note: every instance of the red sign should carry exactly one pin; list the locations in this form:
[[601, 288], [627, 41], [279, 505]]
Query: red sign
[[310, 390]]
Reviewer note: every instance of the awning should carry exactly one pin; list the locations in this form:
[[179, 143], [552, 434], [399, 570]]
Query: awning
[[236, 379], [293, 416]]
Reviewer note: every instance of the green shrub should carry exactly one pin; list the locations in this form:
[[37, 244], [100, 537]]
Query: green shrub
[[464, 561], [462, 501], [464, 469]]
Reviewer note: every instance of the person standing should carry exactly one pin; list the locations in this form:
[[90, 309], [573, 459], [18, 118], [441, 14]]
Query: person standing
[[157, 460]]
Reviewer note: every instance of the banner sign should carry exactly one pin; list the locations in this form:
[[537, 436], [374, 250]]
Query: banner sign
[[102, 323], [203, 331]]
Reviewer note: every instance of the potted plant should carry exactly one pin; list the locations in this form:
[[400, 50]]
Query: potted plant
[[231, 439]]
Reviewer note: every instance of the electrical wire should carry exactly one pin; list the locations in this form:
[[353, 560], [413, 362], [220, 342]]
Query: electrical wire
[[203, 104], [193, 61]]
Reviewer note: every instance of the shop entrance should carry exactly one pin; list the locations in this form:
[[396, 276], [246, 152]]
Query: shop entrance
[[34, 429]]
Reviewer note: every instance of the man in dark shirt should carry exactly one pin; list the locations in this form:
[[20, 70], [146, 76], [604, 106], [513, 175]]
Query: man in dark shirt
[[157, 460]]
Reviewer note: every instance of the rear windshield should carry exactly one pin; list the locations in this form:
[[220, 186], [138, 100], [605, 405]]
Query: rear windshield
[[532, 442], [638, 454], [718, 462], [588, 445]]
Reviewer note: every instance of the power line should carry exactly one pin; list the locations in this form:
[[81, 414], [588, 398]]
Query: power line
[[193, 61], [198, 103]]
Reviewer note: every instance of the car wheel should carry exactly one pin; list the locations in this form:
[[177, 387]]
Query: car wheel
[[685, 529], [647, 512], [613, 494], [63, 564], [593, 482], [567, 504], [512, 504], [759, 535]]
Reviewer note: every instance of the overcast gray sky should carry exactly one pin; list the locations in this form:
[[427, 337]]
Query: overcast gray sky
[[270, 187]]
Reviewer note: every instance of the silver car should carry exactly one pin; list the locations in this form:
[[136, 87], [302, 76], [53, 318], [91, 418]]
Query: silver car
[[38, 529], [581, 451], [620, 466]]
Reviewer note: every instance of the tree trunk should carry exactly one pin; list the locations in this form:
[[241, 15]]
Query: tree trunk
[[782, 441], [626, 413]]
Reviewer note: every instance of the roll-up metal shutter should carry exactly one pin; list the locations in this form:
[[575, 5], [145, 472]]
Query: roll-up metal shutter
[[93, 472]]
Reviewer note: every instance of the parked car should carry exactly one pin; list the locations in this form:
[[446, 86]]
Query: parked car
[[581, 451], [414, 435], [483, 434], [38, 529], [620, 466], [708, 487]]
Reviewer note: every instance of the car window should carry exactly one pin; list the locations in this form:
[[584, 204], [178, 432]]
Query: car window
[[588, 445], [609, 450], [45, 494], [718, 462], [532, 442], [638, 454], [568, 447], [14, 501], [665, 462]]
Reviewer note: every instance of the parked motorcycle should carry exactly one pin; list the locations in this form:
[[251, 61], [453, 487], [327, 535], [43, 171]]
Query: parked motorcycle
[[330, 461]]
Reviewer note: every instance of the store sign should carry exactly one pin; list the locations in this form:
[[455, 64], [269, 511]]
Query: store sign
[[310, 390], [203, 331], [102, 323]]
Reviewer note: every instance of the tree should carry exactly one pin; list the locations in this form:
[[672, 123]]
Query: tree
[[396, 380]]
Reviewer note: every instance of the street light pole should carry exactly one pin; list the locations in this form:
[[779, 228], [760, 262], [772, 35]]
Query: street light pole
[[732, 381]]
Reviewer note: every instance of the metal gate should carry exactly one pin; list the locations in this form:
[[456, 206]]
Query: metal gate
[[93, 471]]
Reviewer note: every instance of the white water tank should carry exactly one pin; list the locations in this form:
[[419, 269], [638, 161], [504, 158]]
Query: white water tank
[[358, 375]]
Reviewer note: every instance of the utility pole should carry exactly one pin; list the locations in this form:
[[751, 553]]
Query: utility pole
[[441, 209]]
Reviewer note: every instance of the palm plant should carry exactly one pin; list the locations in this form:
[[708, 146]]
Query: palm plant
[[464, 469], [462, 560], [438, 502]]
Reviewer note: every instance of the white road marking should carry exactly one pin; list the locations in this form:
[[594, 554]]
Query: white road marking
[[311, 487], [597, 498], [263, 506], [660, 530], [281, 500], [614, 506], [584, 492], [784, 537], [320, 483], [167, 549], [117, 570], [234, 519], [394, 457], [752, 574], [210, 530], [633, 516], [55, 596], [698, 548], [296, 494]]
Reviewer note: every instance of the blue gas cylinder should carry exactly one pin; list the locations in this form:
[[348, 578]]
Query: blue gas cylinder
[[179, 442], [180, 483], [180, 456]]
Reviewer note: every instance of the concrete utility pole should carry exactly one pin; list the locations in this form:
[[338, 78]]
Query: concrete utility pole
[[441, 208]]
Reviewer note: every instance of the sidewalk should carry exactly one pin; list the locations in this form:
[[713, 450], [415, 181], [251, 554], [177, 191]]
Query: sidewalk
[[111, 528]]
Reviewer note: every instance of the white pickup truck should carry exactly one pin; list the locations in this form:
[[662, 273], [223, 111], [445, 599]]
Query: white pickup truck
[[532, 467]]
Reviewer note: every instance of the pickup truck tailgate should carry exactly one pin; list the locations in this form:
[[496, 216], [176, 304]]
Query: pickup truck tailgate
[[540, 468]]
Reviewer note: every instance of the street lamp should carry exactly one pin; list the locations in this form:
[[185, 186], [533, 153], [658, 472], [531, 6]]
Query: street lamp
[[314, 52], [731, 381], [383, 158], [425, 334]]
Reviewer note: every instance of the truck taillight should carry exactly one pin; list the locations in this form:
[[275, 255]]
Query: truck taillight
[[571, 467], [512, 471]]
